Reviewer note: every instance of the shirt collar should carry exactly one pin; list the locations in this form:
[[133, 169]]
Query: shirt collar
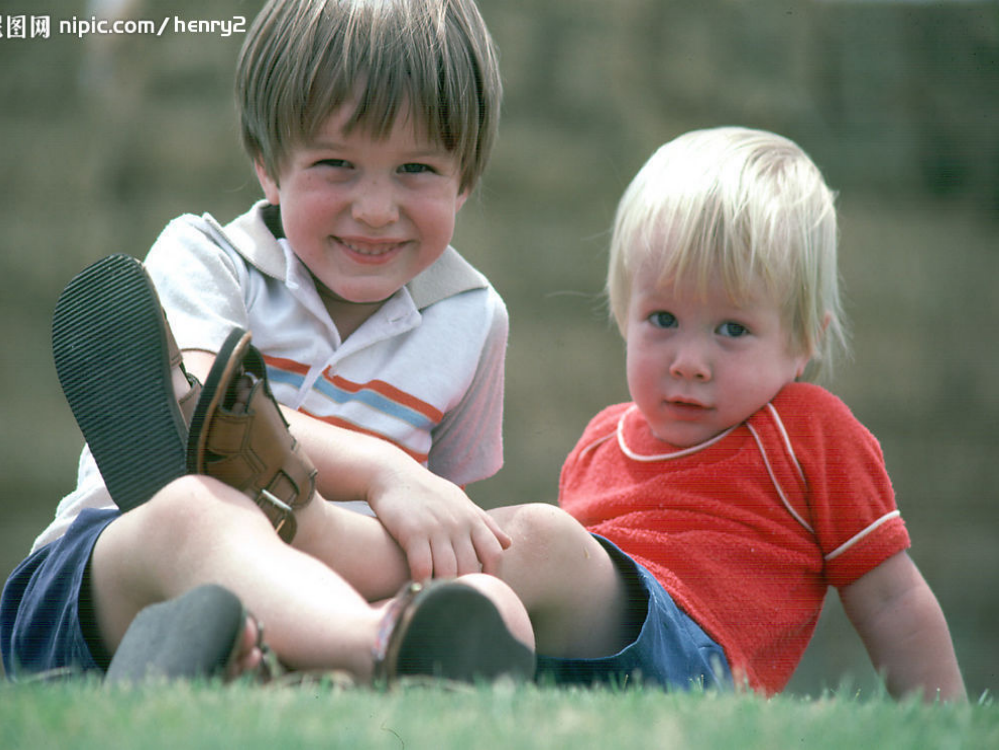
[[254, 235]]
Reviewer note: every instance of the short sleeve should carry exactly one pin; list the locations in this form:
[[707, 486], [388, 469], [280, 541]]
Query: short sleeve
[[468, 443], [851, 503], [200, 284]]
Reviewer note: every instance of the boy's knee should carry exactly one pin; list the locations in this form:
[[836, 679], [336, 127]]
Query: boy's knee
[[543, 528], [187, 505], [549, 520]]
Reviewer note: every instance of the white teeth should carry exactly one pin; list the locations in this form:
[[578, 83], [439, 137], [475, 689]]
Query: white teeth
[[379, 250]]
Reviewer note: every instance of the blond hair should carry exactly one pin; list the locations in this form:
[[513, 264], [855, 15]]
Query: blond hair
[[302, 59], [747, 205]]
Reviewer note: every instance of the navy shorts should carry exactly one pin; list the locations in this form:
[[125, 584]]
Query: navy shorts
[[669, 648], [46, 615]]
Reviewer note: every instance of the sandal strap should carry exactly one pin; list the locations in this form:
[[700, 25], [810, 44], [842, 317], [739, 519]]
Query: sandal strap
[[250, 447], [189, 400], [391, 631]]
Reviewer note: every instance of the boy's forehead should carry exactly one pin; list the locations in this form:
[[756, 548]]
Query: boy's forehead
[[348, 120], [699, 284]]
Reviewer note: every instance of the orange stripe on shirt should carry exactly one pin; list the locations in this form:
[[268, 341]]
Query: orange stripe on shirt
[[432, 413], [288, 365]]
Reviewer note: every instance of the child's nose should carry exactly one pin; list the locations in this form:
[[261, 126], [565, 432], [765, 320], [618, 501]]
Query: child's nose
[[690, 362], [374, 203]]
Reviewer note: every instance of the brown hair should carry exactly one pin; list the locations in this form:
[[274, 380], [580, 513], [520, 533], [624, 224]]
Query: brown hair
[[302, 59]]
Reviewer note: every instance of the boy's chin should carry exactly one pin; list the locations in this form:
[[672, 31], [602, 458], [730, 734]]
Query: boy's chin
[[353, 296]]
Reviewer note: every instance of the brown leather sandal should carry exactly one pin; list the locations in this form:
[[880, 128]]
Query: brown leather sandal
[[247, 445], [447, 630]]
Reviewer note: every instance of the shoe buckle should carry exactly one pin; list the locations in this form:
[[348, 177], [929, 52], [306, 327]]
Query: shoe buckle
[[279, 512]]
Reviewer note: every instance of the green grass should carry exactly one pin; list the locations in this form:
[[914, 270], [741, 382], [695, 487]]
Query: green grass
[[83, 715]]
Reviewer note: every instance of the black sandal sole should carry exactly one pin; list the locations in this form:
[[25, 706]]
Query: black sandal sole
[[191, 637], [110, 349], [456, 633]]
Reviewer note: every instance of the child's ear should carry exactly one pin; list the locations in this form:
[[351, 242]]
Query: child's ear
[[802, 365], [272, 191], [826, 319]]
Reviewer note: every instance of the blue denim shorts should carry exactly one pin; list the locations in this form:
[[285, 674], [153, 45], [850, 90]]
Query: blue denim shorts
[[46, 617], [669, 650]]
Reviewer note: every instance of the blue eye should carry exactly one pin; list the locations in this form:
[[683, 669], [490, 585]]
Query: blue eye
[[416, 168], [334, 163], [733, 330], [662, 319]]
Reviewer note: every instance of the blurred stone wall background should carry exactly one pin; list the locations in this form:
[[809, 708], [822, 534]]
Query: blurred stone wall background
[[103, 139]]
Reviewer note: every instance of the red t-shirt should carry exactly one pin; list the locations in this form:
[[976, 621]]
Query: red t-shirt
[[746, 531]]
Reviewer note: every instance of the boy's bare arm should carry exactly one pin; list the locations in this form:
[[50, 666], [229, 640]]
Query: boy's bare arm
[[442, 532], [904, 630]]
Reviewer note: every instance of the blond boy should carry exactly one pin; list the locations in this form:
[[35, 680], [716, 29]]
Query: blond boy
[[739, 492]]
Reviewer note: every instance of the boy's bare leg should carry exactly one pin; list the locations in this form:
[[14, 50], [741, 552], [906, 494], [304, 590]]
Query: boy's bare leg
[[200, 531], [570, 587], [357, 547], [360, 549], [574, 593], [577, 598], [371, 566]]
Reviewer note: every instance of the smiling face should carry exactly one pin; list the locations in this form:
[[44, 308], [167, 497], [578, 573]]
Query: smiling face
[[699, 362], [366, 215]]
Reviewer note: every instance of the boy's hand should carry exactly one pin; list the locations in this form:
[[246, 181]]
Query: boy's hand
[[442, 532]]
